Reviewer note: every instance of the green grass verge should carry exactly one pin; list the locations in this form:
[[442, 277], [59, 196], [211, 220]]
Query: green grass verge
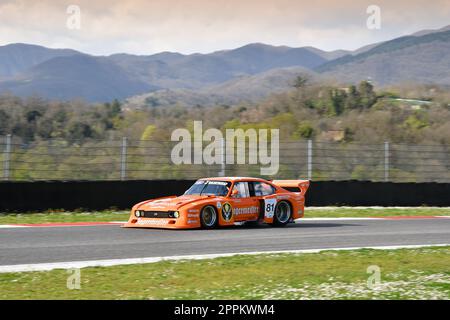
[[421, 273], [114, 215], [43, 217]]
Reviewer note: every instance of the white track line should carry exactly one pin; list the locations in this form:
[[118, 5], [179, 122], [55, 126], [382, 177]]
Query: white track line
[[7, 226], [117, 262]]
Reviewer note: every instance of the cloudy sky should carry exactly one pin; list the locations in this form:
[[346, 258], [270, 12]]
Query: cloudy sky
[[187, 26]]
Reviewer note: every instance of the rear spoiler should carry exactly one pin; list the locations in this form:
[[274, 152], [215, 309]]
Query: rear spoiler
[[293, 185]]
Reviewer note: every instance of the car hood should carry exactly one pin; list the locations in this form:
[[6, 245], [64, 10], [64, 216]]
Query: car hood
[[173, 203]]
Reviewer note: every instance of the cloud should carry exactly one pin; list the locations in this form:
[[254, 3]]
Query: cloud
[[143, 27]]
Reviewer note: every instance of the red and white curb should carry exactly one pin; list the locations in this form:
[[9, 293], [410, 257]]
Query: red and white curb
[[117, 262]]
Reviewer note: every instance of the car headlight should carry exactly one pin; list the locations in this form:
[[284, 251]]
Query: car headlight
[[137, 213], [176, 214]]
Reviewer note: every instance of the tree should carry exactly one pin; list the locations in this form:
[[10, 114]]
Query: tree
[[148, 132], [116, 108], [304, 130], [338, 98], [113, 109], [152, 101], [33, 115], [79, 131], [301, 81], [352, 101], [367, 94]]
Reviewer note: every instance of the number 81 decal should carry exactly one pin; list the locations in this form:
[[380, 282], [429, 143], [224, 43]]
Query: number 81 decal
[[269, 207]]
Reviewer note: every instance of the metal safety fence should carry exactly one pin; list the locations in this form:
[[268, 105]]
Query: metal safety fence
[[127, 159]]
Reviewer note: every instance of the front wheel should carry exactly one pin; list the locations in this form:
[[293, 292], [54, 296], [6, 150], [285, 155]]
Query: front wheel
[[208, 217], [282, 214]]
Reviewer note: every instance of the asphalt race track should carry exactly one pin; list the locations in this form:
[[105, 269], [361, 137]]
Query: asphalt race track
[[65, 244]]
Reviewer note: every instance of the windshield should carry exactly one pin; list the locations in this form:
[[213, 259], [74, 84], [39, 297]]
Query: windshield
[[209, 187]]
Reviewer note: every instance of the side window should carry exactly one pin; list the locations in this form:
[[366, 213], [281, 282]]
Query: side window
[[242, 188], [262, 189]]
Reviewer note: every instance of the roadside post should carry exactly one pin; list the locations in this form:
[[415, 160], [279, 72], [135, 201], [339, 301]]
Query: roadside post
[[123, 160], [7, 158]]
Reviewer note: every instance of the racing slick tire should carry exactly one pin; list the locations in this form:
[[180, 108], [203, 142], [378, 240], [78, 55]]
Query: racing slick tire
[[282, 214], [209, 217]]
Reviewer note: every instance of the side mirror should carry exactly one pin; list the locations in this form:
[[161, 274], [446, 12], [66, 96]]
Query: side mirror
[[234, 193]]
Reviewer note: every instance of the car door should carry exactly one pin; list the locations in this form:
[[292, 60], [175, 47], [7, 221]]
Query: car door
[[265, 195], [245, 207]]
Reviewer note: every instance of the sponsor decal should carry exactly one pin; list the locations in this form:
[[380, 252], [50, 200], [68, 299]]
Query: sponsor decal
[[152, 222], [193, 210], [227, 211], [219, 205], [269, 207], [192, 215], [248, 210], [219, 183], [192, 221]]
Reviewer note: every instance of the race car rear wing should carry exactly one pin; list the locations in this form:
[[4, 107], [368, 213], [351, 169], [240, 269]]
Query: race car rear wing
[[293, 185]]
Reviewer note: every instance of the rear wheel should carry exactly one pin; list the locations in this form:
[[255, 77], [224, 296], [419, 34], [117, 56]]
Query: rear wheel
[[208, 217], [283, 214]]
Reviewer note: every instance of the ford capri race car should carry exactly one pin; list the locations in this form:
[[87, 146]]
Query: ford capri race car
[[213, 202]]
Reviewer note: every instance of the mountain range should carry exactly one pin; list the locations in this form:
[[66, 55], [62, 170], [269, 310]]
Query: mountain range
[[228, 76]]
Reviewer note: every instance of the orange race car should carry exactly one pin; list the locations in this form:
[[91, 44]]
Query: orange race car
[[213, 202]]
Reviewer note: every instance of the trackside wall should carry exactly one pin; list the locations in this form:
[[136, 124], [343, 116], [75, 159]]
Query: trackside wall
[[99, 195]]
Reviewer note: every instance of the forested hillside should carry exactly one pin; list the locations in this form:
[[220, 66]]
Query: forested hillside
[[348, 127], [356, 113]]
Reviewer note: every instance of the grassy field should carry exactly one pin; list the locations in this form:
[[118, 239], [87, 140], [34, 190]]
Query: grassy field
[[114, 215], [422, 273], [43, 217]]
